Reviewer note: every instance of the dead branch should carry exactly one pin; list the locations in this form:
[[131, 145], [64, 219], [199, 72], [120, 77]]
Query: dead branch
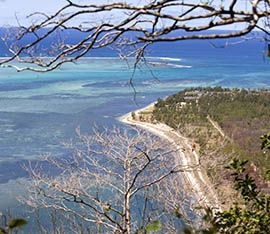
[[150, 22], [106, 173]]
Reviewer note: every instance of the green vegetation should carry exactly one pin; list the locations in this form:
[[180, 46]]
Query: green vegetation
[[12, 226], [265, 141], [133, 115], [252, 216], [243, 116]]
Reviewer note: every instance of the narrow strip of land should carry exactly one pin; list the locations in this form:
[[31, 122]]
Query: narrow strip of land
[[216, 126], [195, 178]]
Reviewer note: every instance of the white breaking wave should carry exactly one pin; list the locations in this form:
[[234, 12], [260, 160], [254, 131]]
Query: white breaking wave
[[165, 58], [178, 65], [170, 65]]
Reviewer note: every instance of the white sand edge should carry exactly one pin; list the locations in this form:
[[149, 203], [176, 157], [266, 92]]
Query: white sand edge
[[196, 180]]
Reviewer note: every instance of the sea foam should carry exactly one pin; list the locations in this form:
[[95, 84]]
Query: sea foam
[[169, 65], [165, 58]]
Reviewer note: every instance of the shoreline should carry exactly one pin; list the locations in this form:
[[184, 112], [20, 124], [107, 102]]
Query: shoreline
[[195, 180]]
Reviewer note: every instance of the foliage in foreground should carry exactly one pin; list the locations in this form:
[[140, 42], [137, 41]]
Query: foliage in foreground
[[12, 225], [252, 217]]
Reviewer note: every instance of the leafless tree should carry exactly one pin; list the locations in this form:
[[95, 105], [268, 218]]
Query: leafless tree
[[115, 180], [129, 27]]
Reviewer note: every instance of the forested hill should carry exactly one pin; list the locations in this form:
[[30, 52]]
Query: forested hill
[[243, 115]]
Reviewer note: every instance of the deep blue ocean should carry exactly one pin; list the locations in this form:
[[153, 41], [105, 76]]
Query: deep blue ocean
[[40, 111]]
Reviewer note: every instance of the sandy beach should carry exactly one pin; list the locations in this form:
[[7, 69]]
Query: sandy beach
[[195, 179]]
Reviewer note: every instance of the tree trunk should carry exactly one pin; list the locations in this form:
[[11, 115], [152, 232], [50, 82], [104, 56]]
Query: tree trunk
[[127, 216]]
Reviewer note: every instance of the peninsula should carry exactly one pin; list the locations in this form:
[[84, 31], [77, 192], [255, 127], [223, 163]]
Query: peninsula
[[210, 126]]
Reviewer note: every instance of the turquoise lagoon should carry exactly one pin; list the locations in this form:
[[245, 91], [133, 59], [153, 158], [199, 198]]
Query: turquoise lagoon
[[40, 111]]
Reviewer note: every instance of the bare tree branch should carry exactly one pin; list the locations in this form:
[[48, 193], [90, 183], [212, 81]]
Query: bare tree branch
[[129, 25], [106, 173]]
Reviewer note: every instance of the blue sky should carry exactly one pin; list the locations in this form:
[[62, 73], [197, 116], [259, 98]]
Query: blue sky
[[22, 8], [9, 8]]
